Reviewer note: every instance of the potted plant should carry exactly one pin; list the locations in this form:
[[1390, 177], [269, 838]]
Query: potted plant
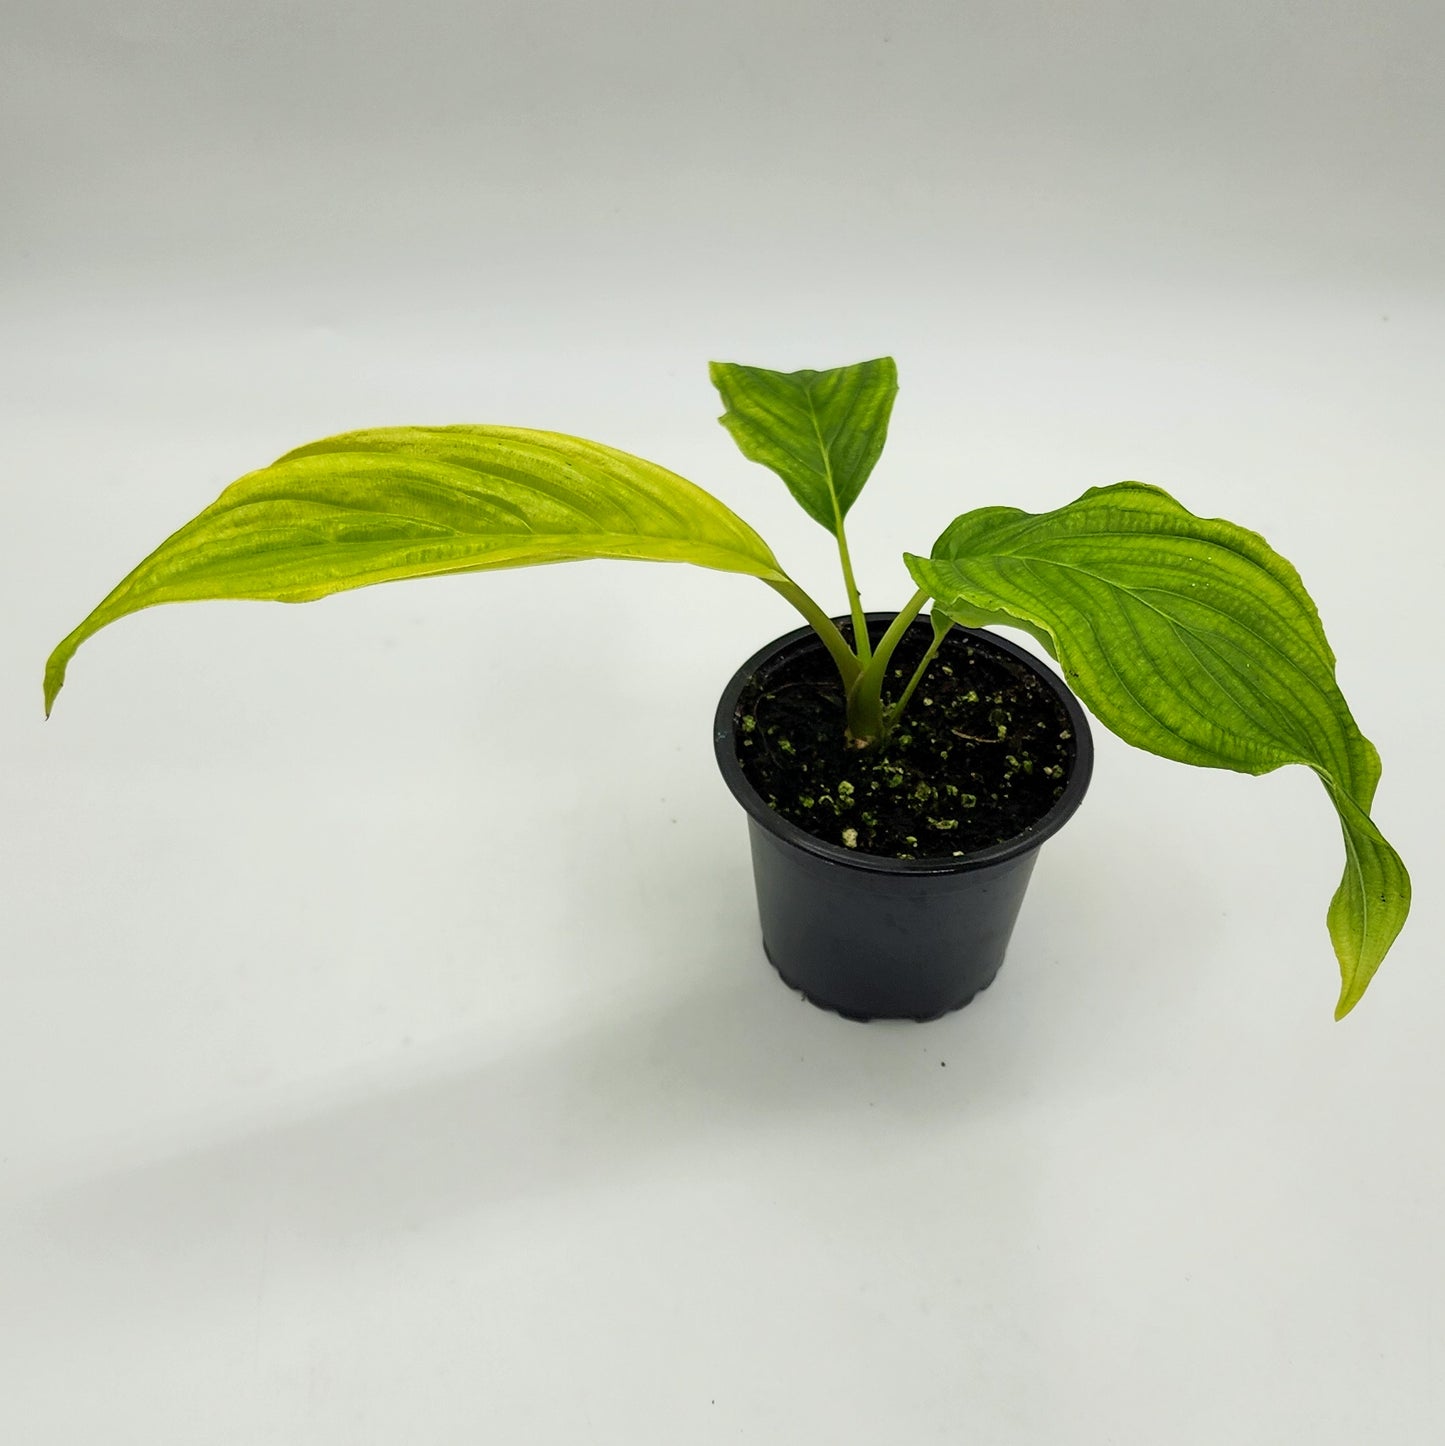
[[899, 773]]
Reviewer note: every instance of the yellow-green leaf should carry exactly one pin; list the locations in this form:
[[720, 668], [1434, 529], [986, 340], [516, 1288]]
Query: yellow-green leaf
[[1192, 638], [399, 502]]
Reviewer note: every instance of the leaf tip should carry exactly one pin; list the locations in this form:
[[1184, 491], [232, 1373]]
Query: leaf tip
[[1352, 989], [55, 667]]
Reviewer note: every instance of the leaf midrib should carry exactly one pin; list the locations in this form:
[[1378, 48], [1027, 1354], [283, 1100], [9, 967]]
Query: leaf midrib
[[825, 452]]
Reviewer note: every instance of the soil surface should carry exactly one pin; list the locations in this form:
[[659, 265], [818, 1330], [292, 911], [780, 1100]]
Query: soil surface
[[982, 752]]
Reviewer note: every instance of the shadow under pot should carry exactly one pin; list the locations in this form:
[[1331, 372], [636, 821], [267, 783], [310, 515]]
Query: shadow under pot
[[889, 881]]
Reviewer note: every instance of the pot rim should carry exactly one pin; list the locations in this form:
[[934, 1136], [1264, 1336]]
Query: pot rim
[[790, 833]]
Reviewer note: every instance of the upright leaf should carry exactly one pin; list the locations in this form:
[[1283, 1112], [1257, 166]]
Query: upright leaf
[[375, 506], [821, 432], [1194, 639]]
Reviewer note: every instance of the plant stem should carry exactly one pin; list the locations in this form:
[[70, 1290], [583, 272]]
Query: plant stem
[[892, 714], [867, 725], [823, 625], [861, 644]]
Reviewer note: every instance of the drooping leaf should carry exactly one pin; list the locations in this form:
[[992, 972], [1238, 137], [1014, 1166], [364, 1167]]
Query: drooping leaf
[[1192, 638], [399, 502], [821, 432]]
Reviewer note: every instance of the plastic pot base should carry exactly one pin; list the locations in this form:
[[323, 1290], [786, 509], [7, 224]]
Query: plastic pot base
[[832, 1008]]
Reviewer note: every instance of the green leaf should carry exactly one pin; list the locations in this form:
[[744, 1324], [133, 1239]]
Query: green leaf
[[375, 506], [821, 432], [1191, 638]]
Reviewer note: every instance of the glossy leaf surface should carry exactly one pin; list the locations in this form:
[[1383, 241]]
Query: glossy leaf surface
[[400, 502], [821, 432], [1192, 638]]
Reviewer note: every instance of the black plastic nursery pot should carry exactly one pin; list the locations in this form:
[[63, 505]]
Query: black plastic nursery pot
[[876, 937]]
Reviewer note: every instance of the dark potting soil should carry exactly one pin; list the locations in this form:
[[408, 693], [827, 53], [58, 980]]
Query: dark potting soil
[[982, 753]]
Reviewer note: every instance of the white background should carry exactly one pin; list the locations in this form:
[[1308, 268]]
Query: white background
[[387, 1053]]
